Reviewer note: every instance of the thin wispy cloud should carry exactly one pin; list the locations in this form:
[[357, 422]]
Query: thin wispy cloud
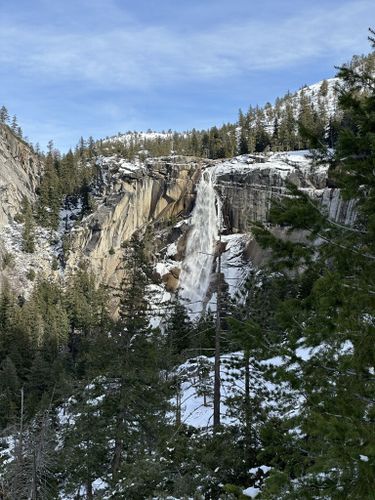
[[141, 56], [95, 67]]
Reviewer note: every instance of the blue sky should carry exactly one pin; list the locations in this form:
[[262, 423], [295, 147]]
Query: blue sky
[[95, 67]]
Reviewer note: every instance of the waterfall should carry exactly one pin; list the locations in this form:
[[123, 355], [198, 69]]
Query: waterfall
[[200, 247]]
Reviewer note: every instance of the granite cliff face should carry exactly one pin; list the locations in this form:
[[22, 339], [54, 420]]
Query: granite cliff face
[[244, 188], [155, 196], [157, 193], [247, 185], [20, 174], [131, 197]]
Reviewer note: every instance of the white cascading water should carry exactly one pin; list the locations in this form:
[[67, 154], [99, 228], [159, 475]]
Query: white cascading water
[[200, 247]]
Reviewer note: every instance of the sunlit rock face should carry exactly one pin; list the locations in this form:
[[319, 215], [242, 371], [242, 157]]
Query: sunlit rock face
[[20, 174], [185, 203], [130, 197]]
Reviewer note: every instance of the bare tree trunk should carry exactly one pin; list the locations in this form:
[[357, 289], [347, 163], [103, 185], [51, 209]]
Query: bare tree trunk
[[34, 492], [89, 491], [119, 444], [20, 444], [247, 401], [178, 406], [117, 456], [217, 395]]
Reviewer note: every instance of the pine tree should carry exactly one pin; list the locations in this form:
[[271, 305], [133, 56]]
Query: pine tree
[[306, 119], [91, 147], [4, 115], [68, 174], [323, 90], [28, 232], [9, 389], [50, 195], [332, 315], [178, 330], [135, 365], [84, 455], [14, 124], [262, 139], [243, 144], [287, 129]]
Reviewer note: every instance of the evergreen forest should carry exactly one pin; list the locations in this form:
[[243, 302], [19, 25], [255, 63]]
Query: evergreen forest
[[91, 402]]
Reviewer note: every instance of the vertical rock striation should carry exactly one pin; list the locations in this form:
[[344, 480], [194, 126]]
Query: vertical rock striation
[[133, 196], [20, 174]]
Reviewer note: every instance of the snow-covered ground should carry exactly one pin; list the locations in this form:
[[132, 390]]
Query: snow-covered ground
[[283, 163], [278, 398], [313, 93], [234, 265], [197, 377], [139, 137]]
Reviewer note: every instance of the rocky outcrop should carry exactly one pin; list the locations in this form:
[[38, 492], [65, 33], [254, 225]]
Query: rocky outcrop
[[18, 268], [248, 184], [131, 197], [245, 188], [153, 195], [20, 173]]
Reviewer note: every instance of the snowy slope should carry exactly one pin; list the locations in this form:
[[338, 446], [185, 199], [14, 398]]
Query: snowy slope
[[278, 399], [283, 163], [313, 92], [197, 375], [139, 137], [319, 102]]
